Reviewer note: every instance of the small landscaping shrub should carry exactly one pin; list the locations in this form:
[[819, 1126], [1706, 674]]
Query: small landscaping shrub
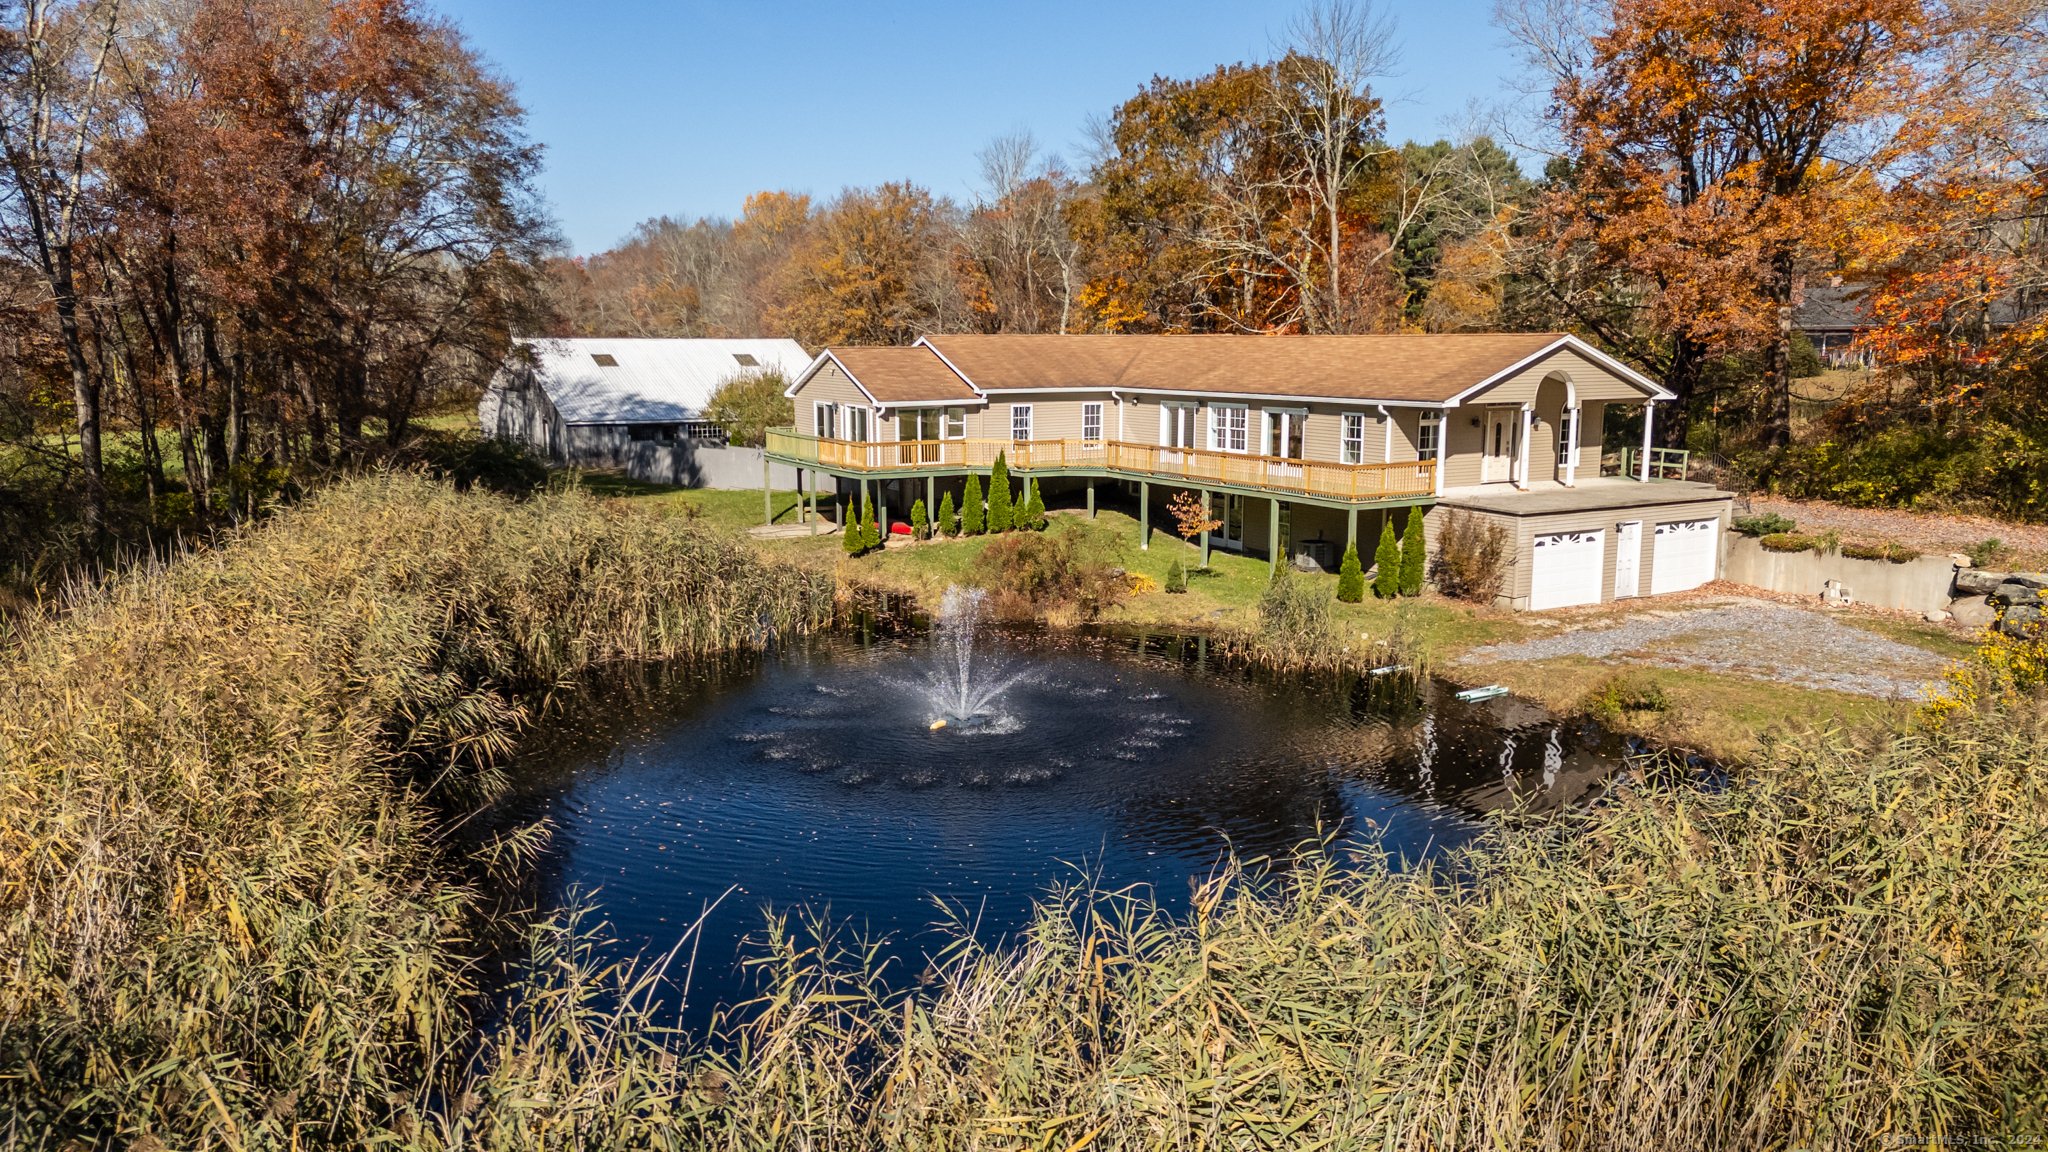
[[1985, 553], [1790, 542], [1412, 555], [1351, 577], [1896, 553], [1033, 516], [920, 524], [853, 542], [1768, 524], [949, 520], [973, 518], [1176, 577], [1296, 628], [1386, 583], [870, 529], [1032, 572], [1002, 511], [1472, 557], [1612, 701]]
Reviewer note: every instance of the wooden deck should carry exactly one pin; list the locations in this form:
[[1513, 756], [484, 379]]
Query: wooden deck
[[1194, 466]]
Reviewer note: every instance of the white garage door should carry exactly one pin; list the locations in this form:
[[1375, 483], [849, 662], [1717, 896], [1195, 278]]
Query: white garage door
[[1684, 556], [1567, 569]]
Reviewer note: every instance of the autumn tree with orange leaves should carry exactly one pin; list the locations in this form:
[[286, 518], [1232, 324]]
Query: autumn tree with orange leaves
[[1715, 146]]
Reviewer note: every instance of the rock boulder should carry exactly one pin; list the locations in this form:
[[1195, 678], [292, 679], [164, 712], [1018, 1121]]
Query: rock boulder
[[2020, 621], [1973, 612], [1978, 582], [2012, 595], [2038, 581]]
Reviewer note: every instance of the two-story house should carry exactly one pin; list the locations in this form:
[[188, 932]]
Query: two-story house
[[1301, 444]]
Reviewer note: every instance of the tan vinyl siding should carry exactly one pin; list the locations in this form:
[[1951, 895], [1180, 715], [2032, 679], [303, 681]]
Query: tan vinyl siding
[[1589, 380], [1464, 444], [829, 385]]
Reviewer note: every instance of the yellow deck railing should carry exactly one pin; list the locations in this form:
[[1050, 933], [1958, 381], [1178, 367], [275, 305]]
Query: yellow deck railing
[[1196, 466]]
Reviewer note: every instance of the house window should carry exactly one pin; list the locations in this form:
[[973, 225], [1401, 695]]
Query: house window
[[1429, 435], [1020, 421], [1227, 427], [1284, 433], [1177, 425], [1568, 438], [826, 417], [661, 432], [1091, 421], [1354, 438], [956, 423], [856, 424]]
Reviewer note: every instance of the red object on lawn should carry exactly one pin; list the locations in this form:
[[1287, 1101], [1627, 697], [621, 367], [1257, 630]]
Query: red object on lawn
[[899, 529]]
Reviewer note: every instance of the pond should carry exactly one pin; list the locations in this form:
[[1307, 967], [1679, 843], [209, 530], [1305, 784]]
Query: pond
[[820, 775]]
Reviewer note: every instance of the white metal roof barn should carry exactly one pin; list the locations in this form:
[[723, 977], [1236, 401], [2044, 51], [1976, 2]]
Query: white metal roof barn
[[604, 381]]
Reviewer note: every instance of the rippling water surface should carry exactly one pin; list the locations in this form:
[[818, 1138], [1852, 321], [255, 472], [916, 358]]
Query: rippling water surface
[[813, 776]]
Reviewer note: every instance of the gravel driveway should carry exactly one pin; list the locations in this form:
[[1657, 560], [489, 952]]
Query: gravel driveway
[[1761, 640]]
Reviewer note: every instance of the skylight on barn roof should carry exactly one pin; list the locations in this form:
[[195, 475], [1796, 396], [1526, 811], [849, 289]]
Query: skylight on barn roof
[[605, 359], [745, 360]]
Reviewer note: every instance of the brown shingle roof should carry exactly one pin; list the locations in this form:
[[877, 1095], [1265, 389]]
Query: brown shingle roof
[[902, 375], [1424, 368]]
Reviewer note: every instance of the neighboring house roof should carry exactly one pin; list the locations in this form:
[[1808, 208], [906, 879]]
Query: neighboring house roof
[[1830, 308], [899, 375], [649, 381]]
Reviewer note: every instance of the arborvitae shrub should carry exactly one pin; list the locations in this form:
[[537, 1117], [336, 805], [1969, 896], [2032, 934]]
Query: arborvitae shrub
[[1034, 508], [1351, 577], [1386, 584], [1176, 576], [1412, 555], [852, 540], [920, 524], [1001, 506], [971, 514], [870, 530], [949, 520]]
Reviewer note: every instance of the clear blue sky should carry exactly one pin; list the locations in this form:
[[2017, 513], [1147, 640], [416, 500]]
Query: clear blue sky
[[682, 109]]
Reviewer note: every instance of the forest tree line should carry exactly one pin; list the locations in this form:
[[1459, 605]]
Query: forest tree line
[[275, 232]]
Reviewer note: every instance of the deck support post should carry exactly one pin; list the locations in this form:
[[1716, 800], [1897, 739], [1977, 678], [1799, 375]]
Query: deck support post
[[1351, 530], [1144, 516], [1091, 497], [814, 501], [931, 501], [1207, 504], [1273, 538], [767, 491]]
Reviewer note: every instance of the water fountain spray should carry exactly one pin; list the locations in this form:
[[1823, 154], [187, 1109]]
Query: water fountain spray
[[960, 681]]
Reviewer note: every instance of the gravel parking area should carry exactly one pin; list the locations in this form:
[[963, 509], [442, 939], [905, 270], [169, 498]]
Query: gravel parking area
[[1752, 638]]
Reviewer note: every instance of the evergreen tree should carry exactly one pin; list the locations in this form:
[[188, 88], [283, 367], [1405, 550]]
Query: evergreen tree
[[1386, 584], [920, 524], [870, 530], [1351, 577], [852, 541], [1034, 508], [1001, 503], [1176, 576], [971, 522], [1412, 555], [949, 520]]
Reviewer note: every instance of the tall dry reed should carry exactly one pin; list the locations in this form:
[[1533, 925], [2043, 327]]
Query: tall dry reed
[[226, 910]]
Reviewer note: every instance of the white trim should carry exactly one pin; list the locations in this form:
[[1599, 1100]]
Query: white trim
[[1657, 391], [1522, 457], [1198, 395]]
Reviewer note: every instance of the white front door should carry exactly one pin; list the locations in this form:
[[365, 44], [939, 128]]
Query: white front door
[[1628, 556], [1567, 569], [1502, 426], [1684, 556]]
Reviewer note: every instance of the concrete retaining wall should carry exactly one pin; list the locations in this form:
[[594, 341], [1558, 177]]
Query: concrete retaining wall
[[1920, 585]]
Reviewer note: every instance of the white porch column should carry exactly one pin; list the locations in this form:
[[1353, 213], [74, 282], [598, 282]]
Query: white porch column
[[1522, 452], [1571, 447], [1649, 412], [1443, 446]]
